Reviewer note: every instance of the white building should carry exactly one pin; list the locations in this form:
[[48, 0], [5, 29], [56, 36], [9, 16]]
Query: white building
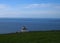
[[24, 29]]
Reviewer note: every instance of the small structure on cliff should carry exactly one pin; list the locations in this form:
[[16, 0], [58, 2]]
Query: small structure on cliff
[[24, 29]]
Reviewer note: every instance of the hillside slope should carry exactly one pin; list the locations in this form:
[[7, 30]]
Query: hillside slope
[[31, 37]]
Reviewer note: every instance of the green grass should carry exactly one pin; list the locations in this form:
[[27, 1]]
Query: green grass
[[31, 37]]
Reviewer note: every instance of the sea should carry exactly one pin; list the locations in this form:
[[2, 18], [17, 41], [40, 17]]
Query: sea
[[9, 25]]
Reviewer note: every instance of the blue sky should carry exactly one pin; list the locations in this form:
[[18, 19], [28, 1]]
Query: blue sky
[[29, 8]]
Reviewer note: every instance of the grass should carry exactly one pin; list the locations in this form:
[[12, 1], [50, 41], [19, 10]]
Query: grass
[[31, 37]]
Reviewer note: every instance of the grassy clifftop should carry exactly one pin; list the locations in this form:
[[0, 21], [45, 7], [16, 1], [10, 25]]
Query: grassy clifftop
[[31, 37]]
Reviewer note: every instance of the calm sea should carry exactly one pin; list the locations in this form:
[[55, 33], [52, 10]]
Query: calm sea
[[8, 25]]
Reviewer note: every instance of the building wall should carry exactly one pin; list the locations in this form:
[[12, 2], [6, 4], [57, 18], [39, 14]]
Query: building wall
[[24, 30]]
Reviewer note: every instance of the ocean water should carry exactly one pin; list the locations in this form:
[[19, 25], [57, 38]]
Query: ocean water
[[8, 25]]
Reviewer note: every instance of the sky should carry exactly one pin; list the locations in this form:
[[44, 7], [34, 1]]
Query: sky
[[29, 8]]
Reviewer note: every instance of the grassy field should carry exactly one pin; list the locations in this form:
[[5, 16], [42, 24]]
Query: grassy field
[[31, 37]]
